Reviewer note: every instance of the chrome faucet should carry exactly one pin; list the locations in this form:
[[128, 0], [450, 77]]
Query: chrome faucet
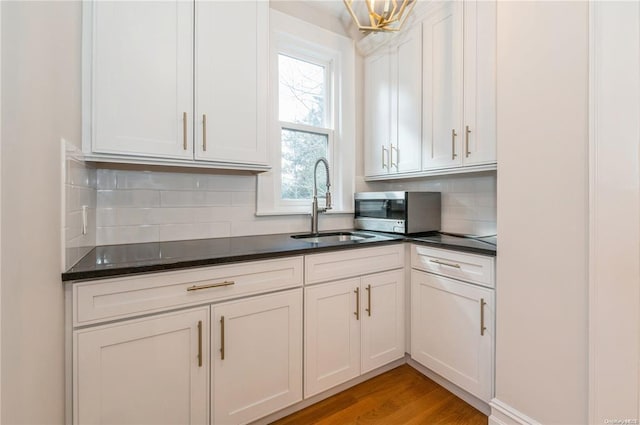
[[314, 206]]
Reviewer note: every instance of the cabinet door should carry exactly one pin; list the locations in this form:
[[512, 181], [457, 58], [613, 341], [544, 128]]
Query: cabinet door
[[442, 84], [148, 371], [479, 82], [446, 337], [382, 315], [377, 130], [231, 81], [332, 335], [142, 78], [406, 151], [257, 356]]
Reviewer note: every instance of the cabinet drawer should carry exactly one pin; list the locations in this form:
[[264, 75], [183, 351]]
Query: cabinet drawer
[[123, 297], [356, 262], [468, 267]]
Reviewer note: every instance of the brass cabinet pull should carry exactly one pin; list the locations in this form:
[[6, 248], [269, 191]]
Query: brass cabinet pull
[[357, 312], [368, 310], [184, 130], [397, 156], [442, 263], [466, 142], [453, 144], [384, 164], [204, 132], [482, 327], [199, 343], [222, 338], [212, 285]]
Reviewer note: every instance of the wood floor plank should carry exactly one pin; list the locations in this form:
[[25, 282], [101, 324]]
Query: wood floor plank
[[400, 396]]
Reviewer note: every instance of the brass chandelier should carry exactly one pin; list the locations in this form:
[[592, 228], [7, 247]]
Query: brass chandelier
[[384, 16]]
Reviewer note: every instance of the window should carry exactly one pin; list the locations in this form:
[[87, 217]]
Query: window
[[304, 112], [312, 101]]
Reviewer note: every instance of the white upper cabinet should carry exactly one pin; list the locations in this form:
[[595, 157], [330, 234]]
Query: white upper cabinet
[[231, 81], [442, 96], [141, 78], [141, 103], [432, 108], [377, 129], [405, 153], [479, 82], [459, 57], [393, 82]]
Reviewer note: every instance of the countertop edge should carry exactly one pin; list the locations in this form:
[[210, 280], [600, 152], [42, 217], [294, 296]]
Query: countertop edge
[[76, 276], [70, 277]]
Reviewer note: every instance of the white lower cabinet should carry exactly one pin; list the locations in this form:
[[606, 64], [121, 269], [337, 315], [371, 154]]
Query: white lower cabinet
[[257, 356], [352, 326], [231, 351], [452, 331], [147, 371]]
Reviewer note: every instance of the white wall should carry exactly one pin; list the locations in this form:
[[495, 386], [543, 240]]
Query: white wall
[[40, 104], [614, 303], [541, 351], [79, 198]]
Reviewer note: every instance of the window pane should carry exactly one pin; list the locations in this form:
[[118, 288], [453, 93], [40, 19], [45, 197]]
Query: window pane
[[302, 92], [300, 151]]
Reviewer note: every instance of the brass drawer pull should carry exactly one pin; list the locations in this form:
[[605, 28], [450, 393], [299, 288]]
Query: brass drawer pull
[[391, 156], [467, 153], [213, 285], [184, 131], [222, 338], [384, 164], [482, 326], [442, 263], [204, 132], [199, 343], [453, 144], [368, 310], [357, 312]]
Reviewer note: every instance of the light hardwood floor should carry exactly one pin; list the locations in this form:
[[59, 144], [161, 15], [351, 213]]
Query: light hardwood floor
[[400, 396]]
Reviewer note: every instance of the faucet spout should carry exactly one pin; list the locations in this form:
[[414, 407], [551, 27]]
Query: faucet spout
[[314, 207]]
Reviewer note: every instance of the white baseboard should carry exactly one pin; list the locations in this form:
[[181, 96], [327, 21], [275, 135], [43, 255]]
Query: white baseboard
[[503, 414]]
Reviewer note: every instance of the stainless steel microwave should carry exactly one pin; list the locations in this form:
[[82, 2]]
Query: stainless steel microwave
[[398, 212]]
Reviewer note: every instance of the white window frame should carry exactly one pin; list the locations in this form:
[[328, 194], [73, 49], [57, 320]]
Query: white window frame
[[300, 50], [302, 40]]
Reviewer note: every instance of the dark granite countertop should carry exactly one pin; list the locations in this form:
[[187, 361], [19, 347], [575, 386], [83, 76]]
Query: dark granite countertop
[[483, 246], [119, 260]]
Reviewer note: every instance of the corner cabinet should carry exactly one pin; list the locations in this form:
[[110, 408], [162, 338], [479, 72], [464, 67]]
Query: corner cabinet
[[141, 102], [455, 127], [452, 317], [393, 83]]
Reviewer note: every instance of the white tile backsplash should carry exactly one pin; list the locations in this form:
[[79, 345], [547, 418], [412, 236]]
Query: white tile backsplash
[[79, 188], [468, 200], [142, 206]]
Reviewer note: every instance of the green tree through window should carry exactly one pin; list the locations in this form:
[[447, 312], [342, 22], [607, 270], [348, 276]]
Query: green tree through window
[[302, 113]]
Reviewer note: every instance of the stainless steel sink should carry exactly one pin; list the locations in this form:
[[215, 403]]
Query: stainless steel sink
[[332, 237]]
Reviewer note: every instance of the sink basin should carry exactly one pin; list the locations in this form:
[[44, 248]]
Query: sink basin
[[332, 237]]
